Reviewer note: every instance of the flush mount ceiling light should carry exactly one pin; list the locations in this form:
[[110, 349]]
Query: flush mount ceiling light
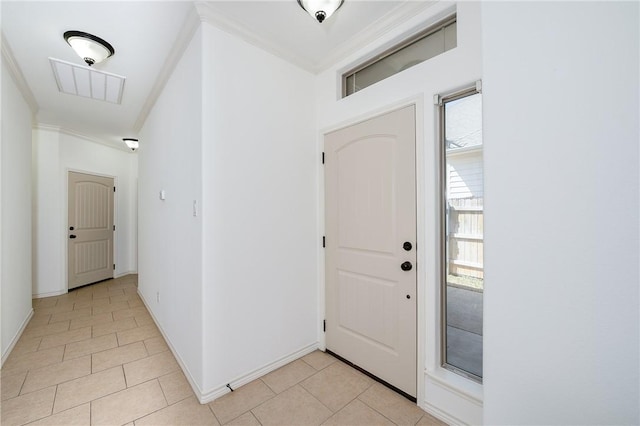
[[320, 9], [90, 48], [131, 143]]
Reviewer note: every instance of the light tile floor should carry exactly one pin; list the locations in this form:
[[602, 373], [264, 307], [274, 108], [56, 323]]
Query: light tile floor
[[95, 357]]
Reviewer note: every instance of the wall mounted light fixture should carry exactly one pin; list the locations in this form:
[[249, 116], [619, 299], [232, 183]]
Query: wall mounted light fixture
[[90, 48], [320, 9], [131, 143]]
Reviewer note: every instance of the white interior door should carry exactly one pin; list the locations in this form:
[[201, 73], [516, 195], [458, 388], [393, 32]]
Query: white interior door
[[370, 191], [90, 229]]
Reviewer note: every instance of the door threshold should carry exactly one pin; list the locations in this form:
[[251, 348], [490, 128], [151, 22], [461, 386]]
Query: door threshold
[[87, 285], [374, 377]]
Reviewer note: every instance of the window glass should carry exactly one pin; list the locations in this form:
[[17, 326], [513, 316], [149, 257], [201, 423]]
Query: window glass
[[435, 41], [462, 234]]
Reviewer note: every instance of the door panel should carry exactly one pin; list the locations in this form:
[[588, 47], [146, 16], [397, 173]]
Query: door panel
[[370, 212], [365, 176], [90, 229], [367, 310]]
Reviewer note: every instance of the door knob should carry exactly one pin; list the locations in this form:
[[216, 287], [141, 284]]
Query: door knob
[[407, 246], [406, 266], [72, 236]]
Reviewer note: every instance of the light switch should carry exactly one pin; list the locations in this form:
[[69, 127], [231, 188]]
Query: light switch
[[162, 195]]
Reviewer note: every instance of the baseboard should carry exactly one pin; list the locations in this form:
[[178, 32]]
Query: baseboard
[[255, 374], [49, 294], [15, 339], [439, 414], [207, 396], [122, 274], [452, 398], [65, 291], [183, 366]]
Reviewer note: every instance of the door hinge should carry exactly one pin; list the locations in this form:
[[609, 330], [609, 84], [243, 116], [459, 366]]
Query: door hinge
[[114, 227], [114, 189], [323, 242], [114, 266], [324, 325], [323, 158]]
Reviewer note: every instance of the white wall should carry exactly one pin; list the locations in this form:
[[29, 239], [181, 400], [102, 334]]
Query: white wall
[[233, 131], [561, 307], [15, 196], [442, 393], [55, 153], [561, 133], [170, 237], [259, 213]]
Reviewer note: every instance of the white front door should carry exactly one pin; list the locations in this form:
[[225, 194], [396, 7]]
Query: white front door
[[370, 191], [90, 229]]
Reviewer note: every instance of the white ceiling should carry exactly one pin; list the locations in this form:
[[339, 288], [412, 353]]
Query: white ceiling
[[147, 35]]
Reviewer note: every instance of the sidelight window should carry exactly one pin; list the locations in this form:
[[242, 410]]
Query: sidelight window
[[462, 213]]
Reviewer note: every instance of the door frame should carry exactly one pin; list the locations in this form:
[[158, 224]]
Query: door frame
[[65, 220], [421, 188]]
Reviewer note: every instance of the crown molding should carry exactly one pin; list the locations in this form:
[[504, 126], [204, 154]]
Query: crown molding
[[373, 32], [183, 38], [18, 76], [209, 13], [79, 135], [213, 15]]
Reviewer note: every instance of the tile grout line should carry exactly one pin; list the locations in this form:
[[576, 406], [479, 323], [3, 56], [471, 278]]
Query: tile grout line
[[316, 371], [350, 401], [53, 403], [162, 390], [87, 402], [270, 388], [314, 397], [124, 374], [64, 351], [374, 409], [22, 385], [251, 409], [155, 411], [214, 414], [254, 416]]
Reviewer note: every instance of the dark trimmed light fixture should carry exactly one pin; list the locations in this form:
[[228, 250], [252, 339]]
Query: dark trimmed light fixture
[[90, 48], [131, 143], [320, 9]]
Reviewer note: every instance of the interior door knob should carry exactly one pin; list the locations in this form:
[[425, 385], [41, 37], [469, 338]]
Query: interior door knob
[[72, 236], [406, 266]]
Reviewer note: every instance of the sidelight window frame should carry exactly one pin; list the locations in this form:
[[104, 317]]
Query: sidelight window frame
[[440, 101]]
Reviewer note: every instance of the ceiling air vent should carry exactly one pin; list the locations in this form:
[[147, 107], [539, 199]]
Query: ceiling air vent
[[87, 82]]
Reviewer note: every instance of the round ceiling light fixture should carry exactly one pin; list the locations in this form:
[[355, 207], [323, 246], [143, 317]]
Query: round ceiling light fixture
[[320, 9], [131, 143], [90, 48]]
